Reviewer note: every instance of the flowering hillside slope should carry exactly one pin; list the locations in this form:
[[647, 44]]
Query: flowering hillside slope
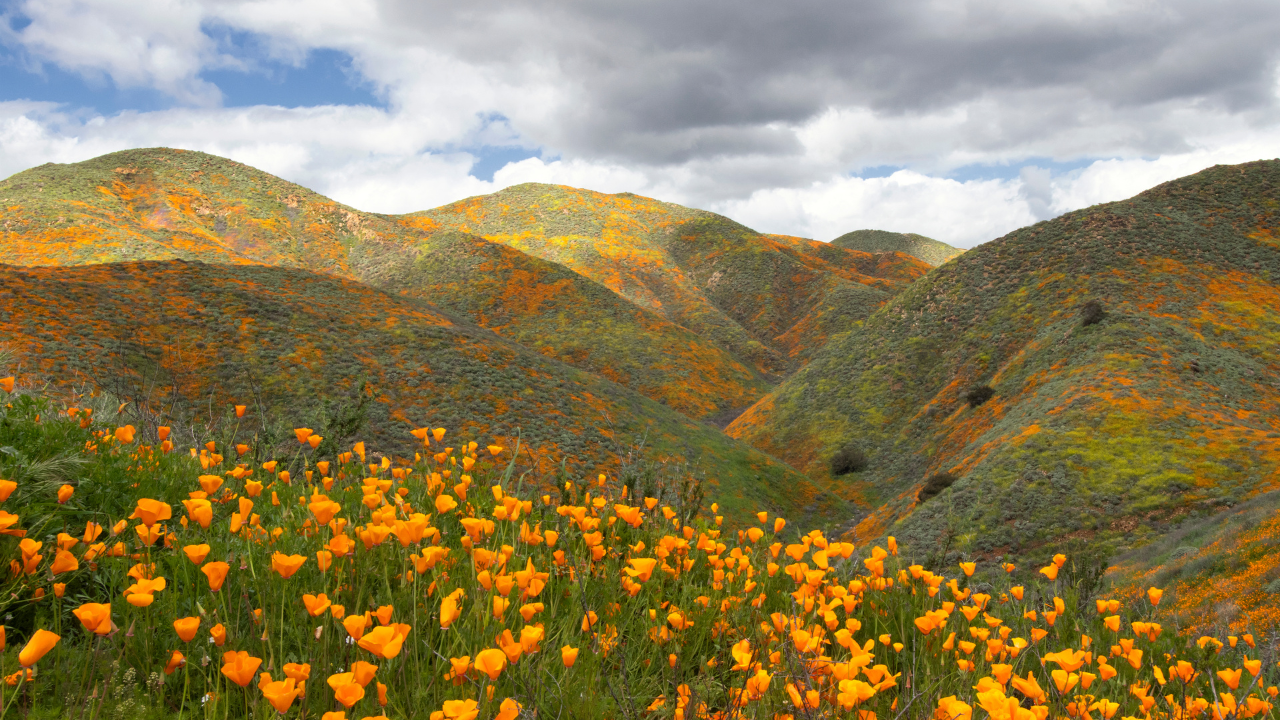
[[162, 204], [755, 295], [1093, 377], [187, 338]]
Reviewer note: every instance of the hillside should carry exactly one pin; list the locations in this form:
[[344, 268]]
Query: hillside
[[164, 204], [1221, 570], [758, 296], [1100, 433], [933, 252], [189, 338]]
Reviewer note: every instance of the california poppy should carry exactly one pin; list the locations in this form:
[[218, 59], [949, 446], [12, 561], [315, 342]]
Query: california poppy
[[96, 617], [151, 511], [217, 574], [187, 627], [40, 644], [176, 660], [240, 667], [196, 553], [385, 641], [491, 662], [281, 694], [219, 634], [316, 604], [64, 562], [64, 493], [286, 565]]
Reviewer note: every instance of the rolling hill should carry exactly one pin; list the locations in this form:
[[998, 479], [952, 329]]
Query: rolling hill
[[161, 204], [192, 337], [758, 296], [933, 252], [1106, 423]]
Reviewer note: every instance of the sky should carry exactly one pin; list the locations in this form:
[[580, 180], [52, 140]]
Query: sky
[[957, 119]]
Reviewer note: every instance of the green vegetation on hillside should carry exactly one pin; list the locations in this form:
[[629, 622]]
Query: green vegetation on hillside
[[934, 252], [170, 204], [761, 297], [184, 339], [1100, 433]]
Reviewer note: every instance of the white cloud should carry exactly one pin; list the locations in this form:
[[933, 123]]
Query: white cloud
[[763, 119]]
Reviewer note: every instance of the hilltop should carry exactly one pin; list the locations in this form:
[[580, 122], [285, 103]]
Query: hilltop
[[933, 252], [187, 339], [758, 296], [161, 204], [1106, 422]]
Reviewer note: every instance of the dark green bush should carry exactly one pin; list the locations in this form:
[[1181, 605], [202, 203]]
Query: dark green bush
[[936, 484], [1091, 313], [848, 459], [979, 394]]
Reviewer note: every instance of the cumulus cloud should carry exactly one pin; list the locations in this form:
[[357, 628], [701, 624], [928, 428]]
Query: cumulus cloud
[[765, 111]]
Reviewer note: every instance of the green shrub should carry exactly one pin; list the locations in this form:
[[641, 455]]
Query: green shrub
[[936, 484], [1091, 313], [848, 459], [979, 394]]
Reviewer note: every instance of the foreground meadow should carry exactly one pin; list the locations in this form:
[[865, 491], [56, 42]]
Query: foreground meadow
[[214, 577]]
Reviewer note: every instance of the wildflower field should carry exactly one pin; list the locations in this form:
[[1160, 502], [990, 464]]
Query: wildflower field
[[234, 580]]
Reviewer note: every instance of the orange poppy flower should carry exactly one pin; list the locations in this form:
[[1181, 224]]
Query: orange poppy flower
[[196, 553], [6, 489], [363, 672], [355, 625], [345, 690], [324, 559], [287, 565], [64, 562], [217, 574], [151, 511], [96, 617], [281, 694], [385, 641], [125, 434], [200, 511], [176, 660], [219, 634], [210, 483], [491, 662], [568, 655], [297, 671], [302, 434], [91, 531], [41, 642], [186, 627], [64, 493], [508, 710], [6, 384], [240, 667], [316, 604]]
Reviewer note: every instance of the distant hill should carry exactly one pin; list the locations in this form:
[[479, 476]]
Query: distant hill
[[934, 252], [161, 204], [1101, 433], [192, 337], [754, 295]]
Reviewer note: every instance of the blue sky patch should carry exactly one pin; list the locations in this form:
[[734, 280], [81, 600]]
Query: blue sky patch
[[489, 160]]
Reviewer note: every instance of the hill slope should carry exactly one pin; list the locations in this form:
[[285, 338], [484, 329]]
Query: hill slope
[[164, 204], [1101, 432], [752, 294], [191, 337], [933, 252]]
